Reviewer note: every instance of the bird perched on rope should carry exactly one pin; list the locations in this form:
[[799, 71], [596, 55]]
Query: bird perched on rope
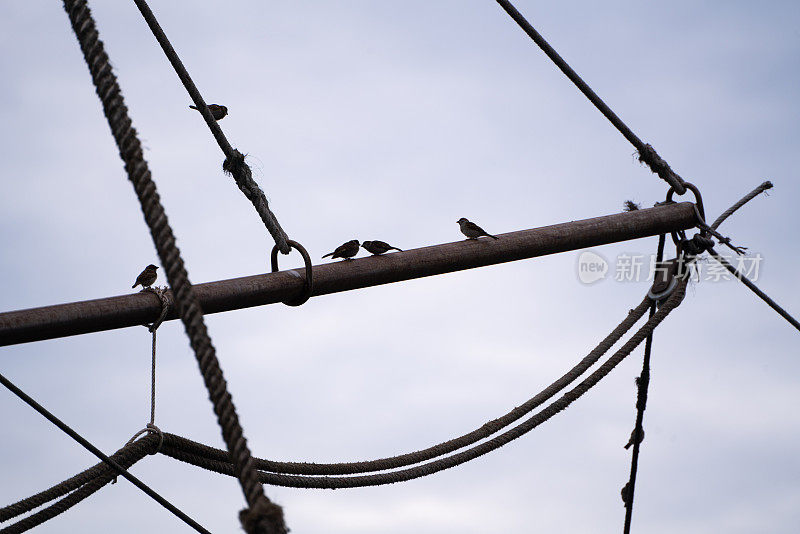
[[472, 230], [217, 111], [147, 277], [378, 247], [345, 251], [633, 437], [626, 494]]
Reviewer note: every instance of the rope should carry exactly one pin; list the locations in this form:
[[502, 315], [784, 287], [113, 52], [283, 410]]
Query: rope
[[747, 198], [91, 480], [62, 488], [643, 382], [763, 296], [486, 430], [647, 154], [234, 160], [188, 306], [97, 452], [172, 444]]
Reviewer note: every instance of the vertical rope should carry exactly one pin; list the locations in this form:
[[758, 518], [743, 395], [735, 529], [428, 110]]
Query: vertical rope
[[268, 516], [641, 404]]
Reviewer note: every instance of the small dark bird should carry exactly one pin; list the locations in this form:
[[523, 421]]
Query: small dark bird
[[217, 111], [626, 494], [146, 277], [630, 205], [346, 251], [472, 230], [378, 247], [633, 437]]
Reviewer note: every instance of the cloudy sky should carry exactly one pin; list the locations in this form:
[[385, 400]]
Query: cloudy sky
[[390, 120]]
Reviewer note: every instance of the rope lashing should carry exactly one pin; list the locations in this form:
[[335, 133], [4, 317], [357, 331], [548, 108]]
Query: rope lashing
[[647, 153], [186, 301], [234, 163]]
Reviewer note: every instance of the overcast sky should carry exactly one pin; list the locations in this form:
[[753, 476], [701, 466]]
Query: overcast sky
[[391, 120]]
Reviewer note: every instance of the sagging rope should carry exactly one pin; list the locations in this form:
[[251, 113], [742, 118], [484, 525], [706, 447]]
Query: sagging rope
[[214, 459], [647, 154], [269, 515], [234, 163], [117, 468], [78, 487], [486, 430]]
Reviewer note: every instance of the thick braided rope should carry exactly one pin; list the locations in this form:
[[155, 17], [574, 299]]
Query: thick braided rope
[[62, 488], [91, 481], [492, 427], [325, 482], [116, 112]]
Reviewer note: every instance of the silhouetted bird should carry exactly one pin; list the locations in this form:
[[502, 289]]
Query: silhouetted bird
[[346, 251], [378, 247], [633, 436], [626, 494], [146, 277], [630, 205], [217, 111], [472, 230]]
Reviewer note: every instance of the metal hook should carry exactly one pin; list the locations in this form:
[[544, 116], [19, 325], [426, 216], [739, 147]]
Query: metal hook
[[308, 287]]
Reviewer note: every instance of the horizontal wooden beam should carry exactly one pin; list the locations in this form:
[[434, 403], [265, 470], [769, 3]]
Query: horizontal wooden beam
[[75, 318]]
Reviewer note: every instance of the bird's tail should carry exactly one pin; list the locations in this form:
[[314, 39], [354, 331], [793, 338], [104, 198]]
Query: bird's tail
[[328, 254], [193, 107], [628, 446], [134, 285], [395, 248]]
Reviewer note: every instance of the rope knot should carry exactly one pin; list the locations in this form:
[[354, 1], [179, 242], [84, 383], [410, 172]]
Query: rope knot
[[650, 157], [265, 517]]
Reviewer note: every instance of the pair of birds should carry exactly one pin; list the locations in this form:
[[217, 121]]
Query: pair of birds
[[350, 249]]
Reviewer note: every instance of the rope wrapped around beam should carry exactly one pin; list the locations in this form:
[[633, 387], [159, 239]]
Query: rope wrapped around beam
[[213, 459], [270, 516]]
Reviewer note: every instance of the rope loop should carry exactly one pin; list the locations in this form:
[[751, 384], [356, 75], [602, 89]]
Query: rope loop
[[308, 286], [161, 293]]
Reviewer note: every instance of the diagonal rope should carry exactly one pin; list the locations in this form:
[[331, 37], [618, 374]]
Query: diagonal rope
[[647, 154], [744, 200], [130, 149], [102, 475], [234, 160], [173, 444], [754, 288], [97, 452]]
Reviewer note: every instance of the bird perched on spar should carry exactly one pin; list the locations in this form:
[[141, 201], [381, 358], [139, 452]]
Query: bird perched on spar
[[147, 277], [217, 111], [376, 248], [472, 230]]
